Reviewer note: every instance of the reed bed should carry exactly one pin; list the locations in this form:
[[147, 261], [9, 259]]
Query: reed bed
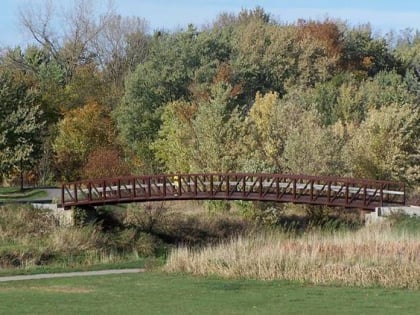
[[372, 256]]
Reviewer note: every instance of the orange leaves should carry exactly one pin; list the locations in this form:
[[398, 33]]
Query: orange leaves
[[105, 162], [326, 32]]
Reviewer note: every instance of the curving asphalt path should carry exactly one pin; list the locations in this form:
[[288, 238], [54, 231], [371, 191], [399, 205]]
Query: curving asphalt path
[[70, 274]]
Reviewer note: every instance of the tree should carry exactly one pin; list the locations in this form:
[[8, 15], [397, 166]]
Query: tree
[[386, 145], [174, 144], [94, 50], [270, 122], [119, 48], [80, 132], [263, 56], [313, 149], [21, 126], [318, 51], [217, 132], [364, 54], [265, 140], [176, 66], [204, 135], [36, 67], [73, 42], [105, 162], [86, 86]]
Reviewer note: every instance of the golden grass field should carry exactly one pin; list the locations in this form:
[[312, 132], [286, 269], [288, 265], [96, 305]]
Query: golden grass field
[[372, 256]]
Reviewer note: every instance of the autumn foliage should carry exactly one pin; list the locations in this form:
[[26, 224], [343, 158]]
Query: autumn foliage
[[245, 93], [105, 162]]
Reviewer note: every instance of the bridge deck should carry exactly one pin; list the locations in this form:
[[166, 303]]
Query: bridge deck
[[329, 191]]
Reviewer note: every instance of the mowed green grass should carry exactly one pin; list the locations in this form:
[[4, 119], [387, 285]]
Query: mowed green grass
[[157, 293]]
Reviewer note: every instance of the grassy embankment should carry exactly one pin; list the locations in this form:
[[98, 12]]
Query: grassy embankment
[[8, 194]]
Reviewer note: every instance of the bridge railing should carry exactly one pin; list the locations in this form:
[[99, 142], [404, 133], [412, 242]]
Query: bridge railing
[[317, 190]]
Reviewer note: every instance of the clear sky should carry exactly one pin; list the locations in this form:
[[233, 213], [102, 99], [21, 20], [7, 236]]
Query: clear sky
[[384, 15]]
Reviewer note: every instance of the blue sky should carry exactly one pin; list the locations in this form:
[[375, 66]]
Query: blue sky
[[384, 15]]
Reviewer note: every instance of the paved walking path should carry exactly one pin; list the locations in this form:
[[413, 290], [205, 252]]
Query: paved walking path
[[70, 274]]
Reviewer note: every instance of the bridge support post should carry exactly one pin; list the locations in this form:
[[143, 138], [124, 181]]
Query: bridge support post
[[363, 214]]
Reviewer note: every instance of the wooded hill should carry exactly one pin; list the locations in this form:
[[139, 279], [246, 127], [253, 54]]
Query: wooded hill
[[104, 97]]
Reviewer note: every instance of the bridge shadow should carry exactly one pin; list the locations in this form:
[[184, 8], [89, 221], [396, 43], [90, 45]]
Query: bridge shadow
[[320, 219], [195, 228]]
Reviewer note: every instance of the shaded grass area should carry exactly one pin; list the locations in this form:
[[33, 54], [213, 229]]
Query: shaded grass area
[[402, 224], [14, 193], [9, 190], [156, 293]]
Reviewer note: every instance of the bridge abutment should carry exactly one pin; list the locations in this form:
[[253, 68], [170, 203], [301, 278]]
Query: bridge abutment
[[381, 213]]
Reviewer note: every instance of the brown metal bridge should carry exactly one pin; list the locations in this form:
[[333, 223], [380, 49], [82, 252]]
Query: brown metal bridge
[[313, 190]]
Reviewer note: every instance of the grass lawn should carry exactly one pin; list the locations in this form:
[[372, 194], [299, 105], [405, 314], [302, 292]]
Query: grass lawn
[[156, 293], [11, 193]]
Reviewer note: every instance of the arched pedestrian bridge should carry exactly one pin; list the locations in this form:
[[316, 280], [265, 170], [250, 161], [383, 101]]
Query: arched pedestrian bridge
[[314, 190]]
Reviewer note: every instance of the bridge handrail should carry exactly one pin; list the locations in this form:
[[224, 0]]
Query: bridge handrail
[[271, 175], [341, 191]]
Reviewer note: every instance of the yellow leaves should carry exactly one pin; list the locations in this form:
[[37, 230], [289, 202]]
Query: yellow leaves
[[173, 146], [378, 148], [80, 132], [262, 110], [367, 62]]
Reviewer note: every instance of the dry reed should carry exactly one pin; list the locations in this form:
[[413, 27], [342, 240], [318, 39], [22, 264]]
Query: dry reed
[[374, 256]]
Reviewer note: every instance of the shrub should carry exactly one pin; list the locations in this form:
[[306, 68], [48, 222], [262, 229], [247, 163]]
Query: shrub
[[21, 222]]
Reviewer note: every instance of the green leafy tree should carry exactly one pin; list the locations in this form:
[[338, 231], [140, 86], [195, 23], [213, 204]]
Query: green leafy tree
[[162, 78], [36, 67], [324, 98], [270, 122], [179, 66], [217, 131], [174, 144], [263, 56], [21, 127], [202, 136], [364, 54]]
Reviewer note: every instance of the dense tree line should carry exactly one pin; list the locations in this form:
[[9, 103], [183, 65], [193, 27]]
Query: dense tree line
[[105, 96]]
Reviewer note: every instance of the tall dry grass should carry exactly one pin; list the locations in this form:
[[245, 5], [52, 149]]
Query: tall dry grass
[[374, 256], [32, 237]]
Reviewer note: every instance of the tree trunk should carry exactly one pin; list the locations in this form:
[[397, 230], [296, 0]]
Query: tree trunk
[[21, 175]]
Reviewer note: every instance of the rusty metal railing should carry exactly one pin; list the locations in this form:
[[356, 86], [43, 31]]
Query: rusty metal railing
[[315, 190]]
